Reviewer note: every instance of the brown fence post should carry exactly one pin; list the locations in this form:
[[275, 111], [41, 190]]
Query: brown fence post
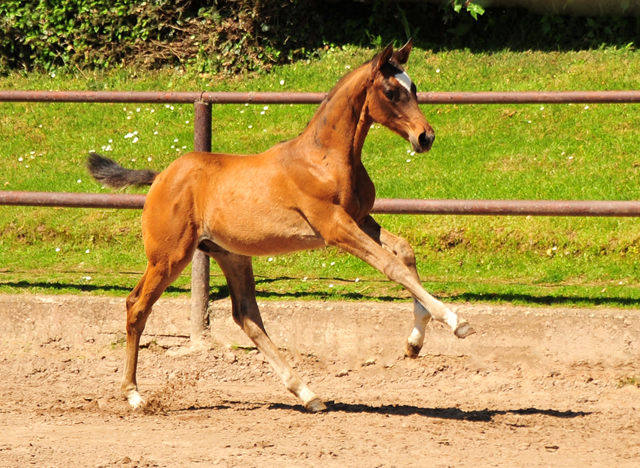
[[200, 262]]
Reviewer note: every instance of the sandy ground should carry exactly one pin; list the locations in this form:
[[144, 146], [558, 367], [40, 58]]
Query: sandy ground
[[535, 387]]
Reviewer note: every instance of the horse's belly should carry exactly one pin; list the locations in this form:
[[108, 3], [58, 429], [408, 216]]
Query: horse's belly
[[271, 246], [272, 233]]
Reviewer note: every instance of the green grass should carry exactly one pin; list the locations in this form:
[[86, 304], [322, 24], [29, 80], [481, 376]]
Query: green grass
[[481, 152], [632, 381]]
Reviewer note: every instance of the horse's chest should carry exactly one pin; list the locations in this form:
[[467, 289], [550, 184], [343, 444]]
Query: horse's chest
[[360, 200]]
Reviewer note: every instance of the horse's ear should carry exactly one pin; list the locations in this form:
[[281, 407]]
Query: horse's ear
[[382, 58], [402, 54]]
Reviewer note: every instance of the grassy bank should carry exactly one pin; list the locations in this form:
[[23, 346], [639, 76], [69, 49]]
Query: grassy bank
[[481, 151]]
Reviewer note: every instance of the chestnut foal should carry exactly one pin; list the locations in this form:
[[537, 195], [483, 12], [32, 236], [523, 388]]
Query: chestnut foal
[[305, 193]]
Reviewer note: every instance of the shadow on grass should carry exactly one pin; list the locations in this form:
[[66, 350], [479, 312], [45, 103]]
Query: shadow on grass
[[548, 300], [57, 287], [222, 291]]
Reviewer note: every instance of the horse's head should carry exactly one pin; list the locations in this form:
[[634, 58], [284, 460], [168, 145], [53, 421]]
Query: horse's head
[[392, 99]]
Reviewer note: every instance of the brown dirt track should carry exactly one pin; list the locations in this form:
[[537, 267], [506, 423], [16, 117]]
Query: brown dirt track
[[535, 387]]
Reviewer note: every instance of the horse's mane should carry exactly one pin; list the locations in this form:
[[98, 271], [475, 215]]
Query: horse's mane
[[392, 63]]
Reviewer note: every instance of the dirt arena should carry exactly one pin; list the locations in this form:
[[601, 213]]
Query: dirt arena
[[535, 387]]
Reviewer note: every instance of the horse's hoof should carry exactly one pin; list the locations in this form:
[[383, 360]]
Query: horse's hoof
[[136, 401], [412, 351], [463, 330], [315, 406]]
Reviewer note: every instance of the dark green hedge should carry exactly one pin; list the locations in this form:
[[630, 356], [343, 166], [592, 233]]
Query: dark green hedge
[[234, 35], [217, 35]]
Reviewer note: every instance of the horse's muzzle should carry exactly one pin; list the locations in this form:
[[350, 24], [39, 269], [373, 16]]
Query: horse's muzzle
[[426, 141], [423, 143]]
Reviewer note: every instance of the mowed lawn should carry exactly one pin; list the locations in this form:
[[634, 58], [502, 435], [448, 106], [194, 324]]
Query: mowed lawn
[[577, 152]]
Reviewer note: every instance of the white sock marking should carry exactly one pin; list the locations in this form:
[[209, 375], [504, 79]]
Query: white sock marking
[[135, 400]]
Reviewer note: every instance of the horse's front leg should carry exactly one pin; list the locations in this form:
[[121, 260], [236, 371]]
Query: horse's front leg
[[339, 229], [402, 249]]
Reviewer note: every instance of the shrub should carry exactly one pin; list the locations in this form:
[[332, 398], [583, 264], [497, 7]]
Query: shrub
[[240, 35], [216, 35]]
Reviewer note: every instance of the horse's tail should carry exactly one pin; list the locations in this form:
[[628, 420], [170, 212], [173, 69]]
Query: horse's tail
[[112, 174]]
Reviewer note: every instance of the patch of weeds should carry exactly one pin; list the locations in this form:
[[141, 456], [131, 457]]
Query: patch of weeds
[[633, 381], [246, 349], [119, 340], [153, 346]]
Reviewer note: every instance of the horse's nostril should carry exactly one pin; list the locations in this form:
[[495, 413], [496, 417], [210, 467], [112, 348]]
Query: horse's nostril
[[426, 140]]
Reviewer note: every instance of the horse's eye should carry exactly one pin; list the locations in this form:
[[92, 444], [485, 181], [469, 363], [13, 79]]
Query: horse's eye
[[389, 94]]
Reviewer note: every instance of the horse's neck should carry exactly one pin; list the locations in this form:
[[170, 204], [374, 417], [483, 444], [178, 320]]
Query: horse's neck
[[342, 122]]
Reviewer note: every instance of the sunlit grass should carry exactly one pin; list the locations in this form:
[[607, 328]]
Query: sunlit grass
[[578, 152]]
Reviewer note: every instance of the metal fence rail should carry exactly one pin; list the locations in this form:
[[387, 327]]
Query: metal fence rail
[[489, 97], [202, 142], [381, 206]]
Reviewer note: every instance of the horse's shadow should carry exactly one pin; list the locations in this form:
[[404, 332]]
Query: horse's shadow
[[455, 414], [434, 413]]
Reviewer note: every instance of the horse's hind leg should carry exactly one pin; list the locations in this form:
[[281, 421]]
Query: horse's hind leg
[[157, 277], [238, 271]]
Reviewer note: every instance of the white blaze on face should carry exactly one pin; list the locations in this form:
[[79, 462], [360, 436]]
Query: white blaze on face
[[403, 79]]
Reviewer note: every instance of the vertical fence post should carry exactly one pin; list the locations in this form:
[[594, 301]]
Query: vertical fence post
[[200, 262]]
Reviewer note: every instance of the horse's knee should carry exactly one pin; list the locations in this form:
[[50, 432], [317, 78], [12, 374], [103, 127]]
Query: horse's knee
[[405, 253]]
